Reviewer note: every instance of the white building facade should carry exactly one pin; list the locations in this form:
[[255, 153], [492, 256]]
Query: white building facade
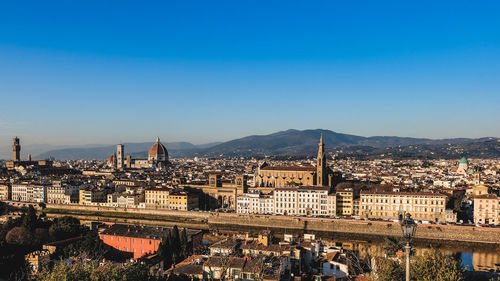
[[304, 200], [250, 203]]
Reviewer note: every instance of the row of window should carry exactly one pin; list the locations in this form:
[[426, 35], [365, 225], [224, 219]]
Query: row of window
[[402, 208], [394, 201], [134, 250], [111, 238]]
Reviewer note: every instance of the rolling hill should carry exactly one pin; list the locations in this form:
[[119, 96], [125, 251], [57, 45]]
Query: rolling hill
[[299, 143]]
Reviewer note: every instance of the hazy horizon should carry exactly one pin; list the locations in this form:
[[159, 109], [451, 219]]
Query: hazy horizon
[[8, 142]]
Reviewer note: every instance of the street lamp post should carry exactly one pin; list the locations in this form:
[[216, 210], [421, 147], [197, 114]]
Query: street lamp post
[[409, 227]]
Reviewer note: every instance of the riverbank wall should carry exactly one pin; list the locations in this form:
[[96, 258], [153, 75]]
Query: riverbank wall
[[241, 222]]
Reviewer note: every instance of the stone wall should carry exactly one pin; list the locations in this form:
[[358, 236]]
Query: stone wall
[[212, 220]]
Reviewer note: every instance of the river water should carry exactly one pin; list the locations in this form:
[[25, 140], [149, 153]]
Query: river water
[[475, 256]]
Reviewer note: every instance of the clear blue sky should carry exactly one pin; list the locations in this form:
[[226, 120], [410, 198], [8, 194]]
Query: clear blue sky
[[201, 71]]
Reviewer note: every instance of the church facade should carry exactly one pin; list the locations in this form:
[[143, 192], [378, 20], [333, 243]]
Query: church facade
[[321, 175]]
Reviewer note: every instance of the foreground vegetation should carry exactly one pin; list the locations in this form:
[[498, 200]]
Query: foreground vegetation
[[432, 265], [28, 233]]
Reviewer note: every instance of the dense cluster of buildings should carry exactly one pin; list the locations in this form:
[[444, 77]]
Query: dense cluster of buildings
[[236, 257], [243, 257], [431, 191], [379, 189]]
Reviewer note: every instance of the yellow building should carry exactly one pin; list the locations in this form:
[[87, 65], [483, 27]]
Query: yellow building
[[344, 202], [157, 197], [425, 206], [182, 201], [480, 189], [5, 191], [91, 196], [166, 198]]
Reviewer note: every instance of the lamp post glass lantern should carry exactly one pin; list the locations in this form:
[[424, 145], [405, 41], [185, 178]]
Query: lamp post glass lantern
[[409, 227]]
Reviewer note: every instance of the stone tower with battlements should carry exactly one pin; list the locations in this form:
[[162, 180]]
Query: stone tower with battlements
[[16, 149]]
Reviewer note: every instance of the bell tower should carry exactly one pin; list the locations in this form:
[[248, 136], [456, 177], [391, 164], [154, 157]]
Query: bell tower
[[477, 177], [321, 177], [16, 148], [119, 156]]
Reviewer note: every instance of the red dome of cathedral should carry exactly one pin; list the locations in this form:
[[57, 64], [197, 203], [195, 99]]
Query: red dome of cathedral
[[112, 159], [158, 152]]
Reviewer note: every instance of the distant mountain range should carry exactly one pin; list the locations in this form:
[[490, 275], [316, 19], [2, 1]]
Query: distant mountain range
[[296, 143], [305, 143]]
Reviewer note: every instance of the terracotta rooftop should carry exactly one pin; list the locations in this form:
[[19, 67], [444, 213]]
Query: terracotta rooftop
[[142, 231], [255, 245], [324, 188], [228, 262], [290, 168], [192, 265], [403, 193], [225, 244], [486, 196]]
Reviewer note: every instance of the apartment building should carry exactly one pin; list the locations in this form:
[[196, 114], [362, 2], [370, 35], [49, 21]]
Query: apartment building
[[487, 209], [304, 200], [5, 191], [39, 193], [423, 206], [133, 200], [166, 198], [182, 201], [345, 200], [285, 200], [91, 196], [332, 204], [254, 203], [62, 193], [139, 241], [22, 192], [157, 198]]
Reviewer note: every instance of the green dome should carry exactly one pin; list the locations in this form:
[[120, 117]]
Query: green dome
[[463, 161]]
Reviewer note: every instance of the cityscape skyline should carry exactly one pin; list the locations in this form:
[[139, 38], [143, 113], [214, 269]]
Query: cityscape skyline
[[249, 140]]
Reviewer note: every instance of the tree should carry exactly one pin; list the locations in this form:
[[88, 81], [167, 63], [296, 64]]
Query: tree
[[66, 227], [222, 265], [41, 236], [436, 266], [184, 244], [388, 270], [174, 247], [19, 235], [393, 245], [92, 271], [164, 251], [30, 219], [457, 203], [91, 246], [431, 266]]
